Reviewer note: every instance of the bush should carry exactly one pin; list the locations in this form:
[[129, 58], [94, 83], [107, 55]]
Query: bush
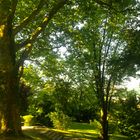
[[59, 120], [28, 120], [112, 127], [43, 120], [96, 124], [130, 130]]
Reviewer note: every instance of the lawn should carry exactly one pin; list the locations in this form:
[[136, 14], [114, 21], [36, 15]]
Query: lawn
[[82, 131], [88, 132]]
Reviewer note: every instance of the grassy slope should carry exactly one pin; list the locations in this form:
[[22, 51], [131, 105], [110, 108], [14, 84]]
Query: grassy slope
[[76, 130], [87, 131], [81, 130]]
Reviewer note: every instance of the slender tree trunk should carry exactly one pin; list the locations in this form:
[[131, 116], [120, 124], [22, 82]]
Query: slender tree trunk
[[105, 124]]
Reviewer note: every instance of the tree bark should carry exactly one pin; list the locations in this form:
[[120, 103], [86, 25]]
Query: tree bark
[[9, 105], [104, 124]]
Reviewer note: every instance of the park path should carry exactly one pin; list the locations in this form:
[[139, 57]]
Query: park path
[[43, 133]]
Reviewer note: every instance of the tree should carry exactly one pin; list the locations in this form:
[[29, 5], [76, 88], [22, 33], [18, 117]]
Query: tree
[[16, 41], [19, 28], [95, 49], [18, 32]]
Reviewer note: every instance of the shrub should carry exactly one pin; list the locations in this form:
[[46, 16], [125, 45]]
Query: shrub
[[59, 120], [96, 124], [112, 127], [28, 120]]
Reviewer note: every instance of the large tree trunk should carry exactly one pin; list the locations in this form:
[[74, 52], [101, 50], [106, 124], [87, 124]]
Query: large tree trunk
[[9, 102], [9, 105]]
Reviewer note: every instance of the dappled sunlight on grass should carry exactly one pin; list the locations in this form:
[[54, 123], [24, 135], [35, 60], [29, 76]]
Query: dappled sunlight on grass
[[35, 133], [81, 130], [84, 128], [87, 132], [118, 137]]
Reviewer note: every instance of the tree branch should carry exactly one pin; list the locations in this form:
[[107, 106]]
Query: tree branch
[[102, 3], [13, 7], [24, 55], [110, 6], [29, 18], [42, 25], [11, 15]]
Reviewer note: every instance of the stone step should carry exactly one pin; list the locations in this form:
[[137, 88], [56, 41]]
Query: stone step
[[54, 135]]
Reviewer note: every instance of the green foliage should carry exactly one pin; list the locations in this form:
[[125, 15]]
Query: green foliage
[[128, 113], [76, 102], [62, 94], [40, 106], [28, 120], [91, 42], [60, 120], [112, 127], [25, 93], [96, 124], [90, 47]]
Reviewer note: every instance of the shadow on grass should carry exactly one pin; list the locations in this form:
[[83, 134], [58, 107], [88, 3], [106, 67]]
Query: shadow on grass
[[86, 136], [82, 131], [36, 133], [23, 137], [88, 132], [78, 131], [118, 137], [82, 126], [29, 133]]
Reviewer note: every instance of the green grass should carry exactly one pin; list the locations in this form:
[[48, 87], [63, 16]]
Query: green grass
[[118, 137], [76, 130], [88, 132], [84, 130], [81, 130]]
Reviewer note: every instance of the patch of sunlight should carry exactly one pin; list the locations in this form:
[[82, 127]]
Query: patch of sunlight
[[84, 131], [45, 19], [80, 131], [118, 137], [29, 45], [1, 30], [36, 138], [40, 128], [59, 130], [27, 127]]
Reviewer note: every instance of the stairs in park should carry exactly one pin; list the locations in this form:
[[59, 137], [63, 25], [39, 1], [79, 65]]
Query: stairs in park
[[53, 135], [48, 133]]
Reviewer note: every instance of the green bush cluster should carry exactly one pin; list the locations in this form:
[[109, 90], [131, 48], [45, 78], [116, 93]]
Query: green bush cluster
[[96, 124], [59, 120], [112, 127], [129, 115]]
